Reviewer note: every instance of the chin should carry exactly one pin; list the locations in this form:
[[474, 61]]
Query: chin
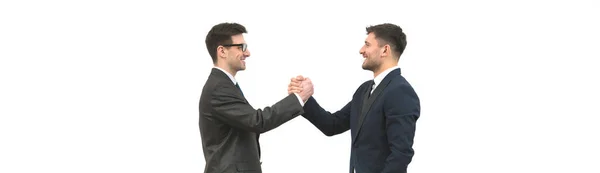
[[365, 67]]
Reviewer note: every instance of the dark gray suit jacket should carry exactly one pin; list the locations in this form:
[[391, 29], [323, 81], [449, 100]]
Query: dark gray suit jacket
[[230, 126]]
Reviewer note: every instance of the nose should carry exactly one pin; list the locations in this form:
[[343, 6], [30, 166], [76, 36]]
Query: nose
[[247, 53]]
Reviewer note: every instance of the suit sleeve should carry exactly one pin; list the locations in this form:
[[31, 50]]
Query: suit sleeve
[[330, 124], [231, 108], [402, 109]]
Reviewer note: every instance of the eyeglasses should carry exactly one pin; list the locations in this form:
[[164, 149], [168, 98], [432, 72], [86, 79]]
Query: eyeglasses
[[243, 45]]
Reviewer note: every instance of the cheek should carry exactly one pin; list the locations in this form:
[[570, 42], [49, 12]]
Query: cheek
[[371, 52], [234, 57], [376, 52]]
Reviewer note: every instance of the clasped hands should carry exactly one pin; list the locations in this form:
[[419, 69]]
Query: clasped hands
[[301, 86]]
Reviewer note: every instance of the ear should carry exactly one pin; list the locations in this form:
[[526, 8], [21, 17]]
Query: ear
[[386, 50], [221, 52]]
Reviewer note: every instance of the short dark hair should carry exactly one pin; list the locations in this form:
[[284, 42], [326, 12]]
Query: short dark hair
[[391, 34], [221, 34]]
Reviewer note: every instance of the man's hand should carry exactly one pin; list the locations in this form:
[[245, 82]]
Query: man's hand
[[295, 85], [302, 86]]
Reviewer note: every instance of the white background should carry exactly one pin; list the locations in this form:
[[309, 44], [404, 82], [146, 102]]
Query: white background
[[113, 86]]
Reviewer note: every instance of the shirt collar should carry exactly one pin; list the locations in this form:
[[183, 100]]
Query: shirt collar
[[382, 75], [229, 75]]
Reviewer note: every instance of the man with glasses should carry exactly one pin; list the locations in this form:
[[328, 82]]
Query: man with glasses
[[229, 125]]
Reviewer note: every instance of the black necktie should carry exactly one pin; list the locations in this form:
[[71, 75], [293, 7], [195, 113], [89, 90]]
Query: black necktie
[[238, 86], [371, 83]]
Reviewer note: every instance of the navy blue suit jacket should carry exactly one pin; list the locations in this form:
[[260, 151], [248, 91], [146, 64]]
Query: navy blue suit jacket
[[382, 125]]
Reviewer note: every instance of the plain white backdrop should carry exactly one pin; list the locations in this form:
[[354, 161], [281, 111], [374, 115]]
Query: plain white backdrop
[[113, 86]]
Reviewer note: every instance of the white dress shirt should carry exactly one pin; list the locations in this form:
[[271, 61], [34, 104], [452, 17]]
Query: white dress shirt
[[235, 83]]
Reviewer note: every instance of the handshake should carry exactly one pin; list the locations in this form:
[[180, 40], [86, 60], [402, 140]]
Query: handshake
[[301, 86]]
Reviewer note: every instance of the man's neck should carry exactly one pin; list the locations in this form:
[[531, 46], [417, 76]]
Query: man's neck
[[227, 69], [383, 68]]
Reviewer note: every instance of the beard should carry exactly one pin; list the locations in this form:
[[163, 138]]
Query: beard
[[370, 65]]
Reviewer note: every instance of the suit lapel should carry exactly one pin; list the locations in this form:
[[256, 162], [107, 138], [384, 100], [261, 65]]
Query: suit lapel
[[367, 103], [220, 74]]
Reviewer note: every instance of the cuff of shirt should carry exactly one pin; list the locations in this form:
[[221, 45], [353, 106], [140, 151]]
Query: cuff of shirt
[[299, 99]]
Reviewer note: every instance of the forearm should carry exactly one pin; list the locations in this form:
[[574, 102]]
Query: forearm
[[238, 113], [328, 123], [300, 99], [400, 135], [281, 112]]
